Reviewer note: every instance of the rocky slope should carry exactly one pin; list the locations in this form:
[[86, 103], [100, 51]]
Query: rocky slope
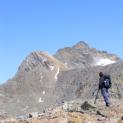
[[33, 83], [43, 81], [76, 111]]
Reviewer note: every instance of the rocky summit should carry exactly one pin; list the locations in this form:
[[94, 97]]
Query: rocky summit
[[45, 81]]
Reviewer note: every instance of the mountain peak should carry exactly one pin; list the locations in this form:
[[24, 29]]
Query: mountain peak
[[81, 45]]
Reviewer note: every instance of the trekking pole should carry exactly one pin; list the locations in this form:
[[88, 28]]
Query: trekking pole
[[96, 96]]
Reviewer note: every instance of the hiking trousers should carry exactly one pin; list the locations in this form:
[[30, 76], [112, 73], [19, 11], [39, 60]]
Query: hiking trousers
[[105, 95]]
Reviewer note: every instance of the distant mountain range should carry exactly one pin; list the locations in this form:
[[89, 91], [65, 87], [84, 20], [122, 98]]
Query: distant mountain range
[[44, 81]]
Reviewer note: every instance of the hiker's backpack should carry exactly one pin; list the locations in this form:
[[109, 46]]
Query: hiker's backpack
[[107, 81]]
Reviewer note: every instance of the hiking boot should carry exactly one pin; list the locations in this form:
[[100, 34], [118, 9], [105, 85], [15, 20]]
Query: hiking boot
[[107, 104]]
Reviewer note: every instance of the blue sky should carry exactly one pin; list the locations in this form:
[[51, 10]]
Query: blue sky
[[47, 25]]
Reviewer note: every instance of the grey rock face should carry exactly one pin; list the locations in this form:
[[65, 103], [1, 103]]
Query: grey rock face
[[44, 81]]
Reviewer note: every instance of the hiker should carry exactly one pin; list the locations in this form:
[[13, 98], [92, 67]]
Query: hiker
[[104, 85]]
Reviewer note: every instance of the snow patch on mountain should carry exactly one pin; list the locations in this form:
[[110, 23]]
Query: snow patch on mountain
[[43, 92], [51, 68], [40, 100], [56, 75], [104, 61]]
